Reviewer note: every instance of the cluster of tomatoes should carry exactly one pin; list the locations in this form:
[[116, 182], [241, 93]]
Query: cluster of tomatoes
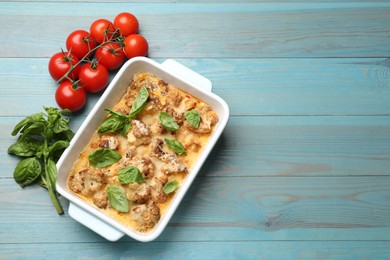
[[85, 66]]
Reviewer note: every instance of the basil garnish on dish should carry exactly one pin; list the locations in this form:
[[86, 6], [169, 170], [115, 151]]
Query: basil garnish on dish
[[193, 117], [176, 146], [130, 174], [170, 186], [117, 198], [117, 121], [103, 157], [139, 102], [167, 121]]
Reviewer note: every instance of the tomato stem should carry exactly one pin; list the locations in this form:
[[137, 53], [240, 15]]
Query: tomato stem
[[118, 39]]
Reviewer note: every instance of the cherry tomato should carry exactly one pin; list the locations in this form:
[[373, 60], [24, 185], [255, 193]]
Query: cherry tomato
[[126, 23], [70, 97], [102, 30], [60, 63], [93, 77], [110, 55], [79, 43], [135, 45]]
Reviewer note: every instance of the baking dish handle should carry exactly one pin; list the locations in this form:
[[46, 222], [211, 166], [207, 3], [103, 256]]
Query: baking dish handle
[[102, 228], [188, 74]]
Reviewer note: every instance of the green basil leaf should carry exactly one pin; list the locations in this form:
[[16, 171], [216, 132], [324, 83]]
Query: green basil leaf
[[117, 198], [58, 146], [126, 128], [103, 157], [112, 124], [193, 117], [27, 171], [176, 146], [35, 128], [51, 172], [67, 135], [25, 147], [139, 102], [130, 174], [170, 186], [167, 121], [60, 125], [66, 112], [27, 122]]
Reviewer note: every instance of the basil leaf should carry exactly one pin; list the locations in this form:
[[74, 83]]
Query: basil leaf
[[27, 171], [193, 117], [58, 146], [166, 120], [60, 125], [170, 186], [103, 157], [115, 122], [139, 102], [130, 174], [25, 147], [126, 128], [117, 198], [176, 146], [112, 124], [26, 122]]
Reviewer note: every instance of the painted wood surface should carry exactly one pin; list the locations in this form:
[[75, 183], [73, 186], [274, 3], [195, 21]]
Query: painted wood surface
[[302, 170]]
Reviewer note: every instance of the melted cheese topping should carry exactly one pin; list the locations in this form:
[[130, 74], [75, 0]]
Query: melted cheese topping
[[144, 147]]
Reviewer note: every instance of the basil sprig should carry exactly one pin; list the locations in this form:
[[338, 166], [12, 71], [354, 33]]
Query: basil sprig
[[170, 186], [193, 117], [43, 138], [167, 121], [117, 121], [176, 146], [103, 157], [117, 198], [130, 174]]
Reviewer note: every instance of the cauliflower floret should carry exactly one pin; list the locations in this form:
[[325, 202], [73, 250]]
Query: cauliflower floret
[[87, 181], [138, 192], [146, 215], [139, 134], [156, 186], [108, 141], [100, 199]]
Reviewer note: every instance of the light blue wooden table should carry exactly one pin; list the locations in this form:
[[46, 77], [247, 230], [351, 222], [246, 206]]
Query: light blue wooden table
[[302, 170]]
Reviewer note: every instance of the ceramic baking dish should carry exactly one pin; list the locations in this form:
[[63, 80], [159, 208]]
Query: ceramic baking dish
[[171, 72]]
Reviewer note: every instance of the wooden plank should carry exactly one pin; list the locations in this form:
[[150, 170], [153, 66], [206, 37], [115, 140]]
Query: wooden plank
[[280, 146], [353, 86], [278, 30], [227, 209], [203, 250]]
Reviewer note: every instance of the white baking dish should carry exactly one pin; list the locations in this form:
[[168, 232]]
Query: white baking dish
[[172, 72]]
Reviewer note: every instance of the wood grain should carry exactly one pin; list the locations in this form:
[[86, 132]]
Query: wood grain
[[227, 209], [234, 30], [353, 86], [203, 250]]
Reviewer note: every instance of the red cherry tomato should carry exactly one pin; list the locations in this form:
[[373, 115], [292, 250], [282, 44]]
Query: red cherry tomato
[[69, 97], [126, 23], [60, 63], [110, 55], [102, 30], [79, 43], [93, 77], [135, 45]]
